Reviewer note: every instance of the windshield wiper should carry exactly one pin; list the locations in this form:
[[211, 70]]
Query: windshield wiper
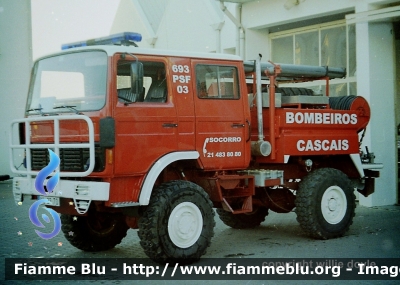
[[37, 110], [69, 107]]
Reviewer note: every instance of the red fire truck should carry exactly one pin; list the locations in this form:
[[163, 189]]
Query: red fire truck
[[155, 140]]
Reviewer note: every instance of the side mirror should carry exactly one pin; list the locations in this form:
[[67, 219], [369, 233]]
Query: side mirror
[[136, 77]]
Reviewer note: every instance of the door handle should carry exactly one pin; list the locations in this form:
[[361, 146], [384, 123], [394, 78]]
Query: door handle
[[237, 125], [249, 137], [169, 125]]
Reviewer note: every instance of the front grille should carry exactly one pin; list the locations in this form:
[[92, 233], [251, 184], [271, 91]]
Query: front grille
[[71, 159]]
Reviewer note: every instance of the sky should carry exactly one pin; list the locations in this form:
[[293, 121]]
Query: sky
[[63, 21]]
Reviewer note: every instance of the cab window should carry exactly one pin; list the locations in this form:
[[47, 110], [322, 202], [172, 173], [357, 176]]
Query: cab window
[[154, 83], [217, 82]]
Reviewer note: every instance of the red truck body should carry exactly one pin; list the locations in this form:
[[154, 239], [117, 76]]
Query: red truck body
[[146, 129]]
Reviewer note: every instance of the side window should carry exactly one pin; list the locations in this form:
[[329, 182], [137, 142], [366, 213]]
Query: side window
[[217, 82], [154, 83]]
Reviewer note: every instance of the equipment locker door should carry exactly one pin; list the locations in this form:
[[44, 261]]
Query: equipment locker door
[[221, 125]]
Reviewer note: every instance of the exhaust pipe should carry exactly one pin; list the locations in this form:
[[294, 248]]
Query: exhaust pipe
[[260, 147]]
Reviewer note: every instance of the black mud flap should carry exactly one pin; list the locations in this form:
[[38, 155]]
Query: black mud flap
[[4, 177], [369, 185]]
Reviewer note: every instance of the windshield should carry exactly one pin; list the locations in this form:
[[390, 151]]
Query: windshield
[[70, 82]]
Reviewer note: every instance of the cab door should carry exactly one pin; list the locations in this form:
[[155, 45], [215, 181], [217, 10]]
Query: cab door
[[146, 123], [222, 116]]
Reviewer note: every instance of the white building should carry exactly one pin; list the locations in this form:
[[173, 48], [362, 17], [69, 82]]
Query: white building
[[15, 65], [361, 35]]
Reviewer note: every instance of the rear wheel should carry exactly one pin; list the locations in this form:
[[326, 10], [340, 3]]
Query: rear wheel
[[97, 231], [178, 223], [243, 221], [325, 203]]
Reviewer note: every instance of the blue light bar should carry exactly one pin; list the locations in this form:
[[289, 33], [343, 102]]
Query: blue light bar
[[126, 38]]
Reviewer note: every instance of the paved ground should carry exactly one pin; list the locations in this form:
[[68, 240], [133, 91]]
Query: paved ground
[[375, 233]]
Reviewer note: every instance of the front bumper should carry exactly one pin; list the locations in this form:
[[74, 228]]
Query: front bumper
[[81, 192]]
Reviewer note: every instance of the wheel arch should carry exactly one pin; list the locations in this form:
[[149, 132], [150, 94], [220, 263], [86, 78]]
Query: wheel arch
[[158, 167], [349, 164]]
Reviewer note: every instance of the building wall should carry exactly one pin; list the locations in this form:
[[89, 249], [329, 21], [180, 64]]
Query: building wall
[[265, 13], [15, 65], [59, 22], [130, 18], [188, 25], [376, 57], [376, 82]]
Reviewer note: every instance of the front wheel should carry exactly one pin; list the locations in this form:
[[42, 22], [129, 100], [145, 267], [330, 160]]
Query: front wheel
[[178, 223], [325, 203], [97, 231]]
